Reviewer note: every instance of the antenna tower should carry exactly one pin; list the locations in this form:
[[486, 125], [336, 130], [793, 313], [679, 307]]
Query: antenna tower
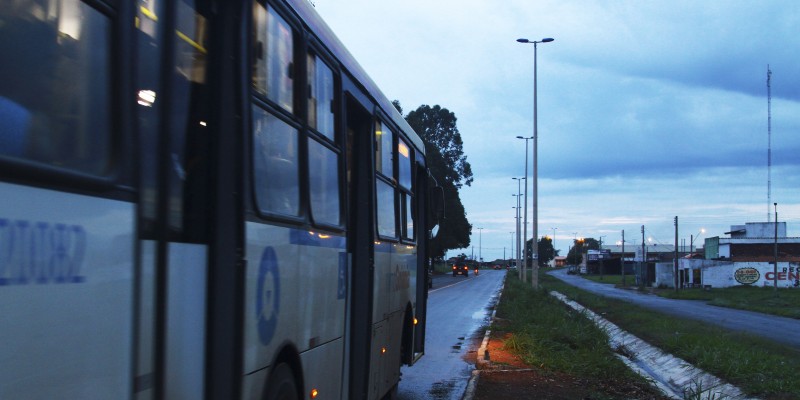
[[769, 144]]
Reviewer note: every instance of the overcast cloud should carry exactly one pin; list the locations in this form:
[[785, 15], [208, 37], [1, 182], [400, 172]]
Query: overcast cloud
[[647, 109]]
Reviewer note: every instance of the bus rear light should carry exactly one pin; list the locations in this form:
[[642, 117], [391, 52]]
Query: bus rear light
[[383, 350], [415, 321], [314, 393]]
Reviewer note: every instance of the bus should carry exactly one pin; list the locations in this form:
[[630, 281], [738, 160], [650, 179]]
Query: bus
[[203, 199]]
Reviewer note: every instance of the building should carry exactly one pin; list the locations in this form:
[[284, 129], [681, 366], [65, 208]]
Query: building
[[747, 257]]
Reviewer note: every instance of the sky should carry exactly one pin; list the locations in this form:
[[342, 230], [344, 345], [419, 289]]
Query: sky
[[646, 109]]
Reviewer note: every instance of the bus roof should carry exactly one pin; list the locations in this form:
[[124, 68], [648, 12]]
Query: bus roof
[[323, 32]]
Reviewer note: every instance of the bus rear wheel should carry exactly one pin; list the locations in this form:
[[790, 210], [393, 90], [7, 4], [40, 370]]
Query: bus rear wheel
[[281, 385]]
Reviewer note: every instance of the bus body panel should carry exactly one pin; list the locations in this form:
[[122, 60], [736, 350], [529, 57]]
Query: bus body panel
[[66, 294], [295, 293]]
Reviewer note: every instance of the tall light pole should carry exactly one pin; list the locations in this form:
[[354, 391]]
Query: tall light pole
[[554, 243], [520, 269], [525, 213], [534, 235], [512, 245], [480, 246]]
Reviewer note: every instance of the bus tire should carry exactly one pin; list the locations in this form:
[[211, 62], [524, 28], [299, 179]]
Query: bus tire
[[281, 384]]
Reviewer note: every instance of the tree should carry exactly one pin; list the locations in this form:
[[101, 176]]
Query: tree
[[579, 246], [446, 160], [546, 251], [437, 127]]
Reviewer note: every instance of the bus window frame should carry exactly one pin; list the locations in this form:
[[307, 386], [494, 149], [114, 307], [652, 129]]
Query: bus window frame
[[312, 46], [386, 123], [304, 44], [119, 181]]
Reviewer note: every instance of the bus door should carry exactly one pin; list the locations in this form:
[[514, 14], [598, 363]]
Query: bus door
[[361, 243], [181, 167]]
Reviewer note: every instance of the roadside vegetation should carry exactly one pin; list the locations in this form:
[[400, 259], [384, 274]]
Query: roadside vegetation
[[757, 366], [555, 339], [784, 303]]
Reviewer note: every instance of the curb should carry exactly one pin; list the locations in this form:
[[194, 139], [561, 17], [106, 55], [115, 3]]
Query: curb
[[483, 353], [668, 373]]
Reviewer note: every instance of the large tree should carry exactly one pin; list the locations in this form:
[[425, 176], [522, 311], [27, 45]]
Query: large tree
[[437, 127], [448, 164]]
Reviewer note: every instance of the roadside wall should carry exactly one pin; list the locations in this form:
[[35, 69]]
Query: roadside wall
[[726, 274]]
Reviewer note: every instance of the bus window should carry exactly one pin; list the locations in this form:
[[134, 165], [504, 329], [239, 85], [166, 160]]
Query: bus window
[[274, 55], [320, 97], [275, 164], [404, 164], [383, 150], [407, 217], [55, 103], [386, 218], [324, 184]]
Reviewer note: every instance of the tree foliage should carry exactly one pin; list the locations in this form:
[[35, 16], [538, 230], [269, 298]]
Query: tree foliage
[[437, 127], [580, 246], [448, 165], [546, 251]]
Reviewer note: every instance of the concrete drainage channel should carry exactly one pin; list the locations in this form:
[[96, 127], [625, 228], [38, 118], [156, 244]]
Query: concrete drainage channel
[[675, 377]]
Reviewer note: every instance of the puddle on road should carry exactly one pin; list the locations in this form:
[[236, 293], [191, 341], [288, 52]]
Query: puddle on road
[[442, 389]]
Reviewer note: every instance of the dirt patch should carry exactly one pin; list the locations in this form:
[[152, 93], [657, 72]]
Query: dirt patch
[[506, 377]]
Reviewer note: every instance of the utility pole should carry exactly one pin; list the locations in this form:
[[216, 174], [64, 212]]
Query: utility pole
[[775, 267], [623, 258], [677, 280], [643, 269]]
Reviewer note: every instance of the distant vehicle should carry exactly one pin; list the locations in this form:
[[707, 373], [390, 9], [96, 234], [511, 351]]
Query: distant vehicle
[[496, 266], [572, 270], [461, 268]]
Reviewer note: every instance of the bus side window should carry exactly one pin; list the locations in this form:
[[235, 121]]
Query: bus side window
[[275, 164], [404, 163], [274, 57], [55, 86]]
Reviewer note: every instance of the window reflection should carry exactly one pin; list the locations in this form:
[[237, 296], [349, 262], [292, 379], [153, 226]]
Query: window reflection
[[320, 101], [324, 184], [274, 55], [383, 149], [55, 85], [386, 218], [275, 164]]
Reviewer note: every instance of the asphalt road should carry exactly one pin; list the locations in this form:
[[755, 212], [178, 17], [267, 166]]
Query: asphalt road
[[458, 309], [779, 329]]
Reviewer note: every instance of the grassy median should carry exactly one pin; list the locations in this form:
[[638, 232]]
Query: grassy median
[[553, 338]]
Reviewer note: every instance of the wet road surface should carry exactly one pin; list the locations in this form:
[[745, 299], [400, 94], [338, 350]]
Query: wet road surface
[[458, 310]]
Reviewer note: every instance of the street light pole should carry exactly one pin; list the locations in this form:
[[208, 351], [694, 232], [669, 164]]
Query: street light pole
[[520, 270], [525, 214], [534, 273], [480, 246]]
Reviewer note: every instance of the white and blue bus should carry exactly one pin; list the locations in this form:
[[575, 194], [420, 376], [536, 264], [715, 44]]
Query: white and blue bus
[[203, 199]]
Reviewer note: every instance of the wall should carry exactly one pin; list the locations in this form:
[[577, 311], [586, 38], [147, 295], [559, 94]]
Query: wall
[[759, 273]]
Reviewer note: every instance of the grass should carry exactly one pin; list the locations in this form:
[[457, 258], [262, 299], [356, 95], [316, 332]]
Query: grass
[[554, 338], [759, 367], [785, 303]]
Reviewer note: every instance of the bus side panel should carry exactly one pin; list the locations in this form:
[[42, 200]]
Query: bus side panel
[[66, 295], [395, 281], [295, 295]]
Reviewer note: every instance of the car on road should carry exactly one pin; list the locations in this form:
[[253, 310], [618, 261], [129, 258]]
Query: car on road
[[572, 270], [461, 268]]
